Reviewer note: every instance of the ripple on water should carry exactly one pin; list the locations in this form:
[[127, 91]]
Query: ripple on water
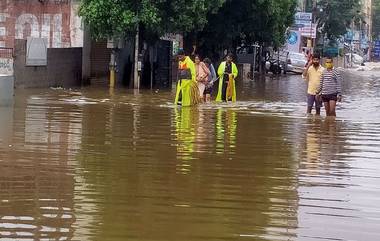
[[121, 166]]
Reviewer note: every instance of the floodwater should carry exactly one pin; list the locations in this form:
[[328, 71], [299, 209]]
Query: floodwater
[[90, 164]]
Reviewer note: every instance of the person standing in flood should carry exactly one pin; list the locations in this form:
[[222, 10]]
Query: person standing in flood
[[312, 74], [187, 93], [227, 73], [330, 89], [202, 75], [211, 78]]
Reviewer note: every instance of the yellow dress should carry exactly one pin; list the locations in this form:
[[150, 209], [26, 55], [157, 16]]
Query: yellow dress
[[187, 87], [231, 88]]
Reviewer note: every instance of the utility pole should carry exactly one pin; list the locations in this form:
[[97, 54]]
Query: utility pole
[[314, 17], [370, 19], [136, 77], [112, 67], [370, 30], [303, 7]]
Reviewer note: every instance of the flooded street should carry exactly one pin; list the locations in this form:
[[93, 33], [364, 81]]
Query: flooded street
[[88, 164]]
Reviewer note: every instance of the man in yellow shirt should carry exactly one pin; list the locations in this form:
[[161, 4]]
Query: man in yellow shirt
[[312, 74]]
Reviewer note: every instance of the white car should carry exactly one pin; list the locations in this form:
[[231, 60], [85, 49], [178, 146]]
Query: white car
[[296, 62], [356, 59]]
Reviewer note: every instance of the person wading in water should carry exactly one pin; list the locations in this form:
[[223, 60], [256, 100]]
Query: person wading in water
[[202, 73], [227, 72], [187, 93], [330, 89], [312, 74]]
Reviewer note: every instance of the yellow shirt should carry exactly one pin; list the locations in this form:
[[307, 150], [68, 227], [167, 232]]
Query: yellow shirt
[[313, 78]]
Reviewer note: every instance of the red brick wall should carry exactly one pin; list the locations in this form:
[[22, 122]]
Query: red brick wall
[[49, 19]]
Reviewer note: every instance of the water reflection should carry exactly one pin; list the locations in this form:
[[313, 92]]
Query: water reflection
[[185, 135], [225, 130], [6, 127], [328, 184], [129, 166], [36, 198]]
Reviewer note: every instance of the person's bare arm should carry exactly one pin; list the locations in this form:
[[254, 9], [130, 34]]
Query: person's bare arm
[[305, 72]]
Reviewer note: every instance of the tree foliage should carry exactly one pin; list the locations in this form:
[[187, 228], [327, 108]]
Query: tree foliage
[[109, 18], [376, 19], [246, 22], [335, 16]]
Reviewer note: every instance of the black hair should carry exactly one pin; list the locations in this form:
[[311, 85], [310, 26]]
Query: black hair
[[181, 52], [230, 55], [317, 56], [207, 61]]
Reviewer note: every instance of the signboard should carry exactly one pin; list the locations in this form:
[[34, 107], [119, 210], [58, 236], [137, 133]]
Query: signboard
[[6, 66], [36, 51], [349, 36], [304, 16], [356, 36], [294, 41], [303, 19], [376, 49], [309, 31]]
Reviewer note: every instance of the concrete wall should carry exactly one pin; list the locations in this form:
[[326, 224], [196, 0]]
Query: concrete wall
[[64, 68], [86, 56], [6, 90]]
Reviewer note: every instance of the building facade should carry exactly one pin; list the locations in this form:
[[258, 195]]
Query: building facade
[[367, 17], [55, 20]]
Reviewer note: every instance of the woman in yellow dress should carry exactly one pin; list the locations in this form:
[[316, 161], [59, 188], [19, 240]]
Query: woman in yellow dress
[[187, 93]]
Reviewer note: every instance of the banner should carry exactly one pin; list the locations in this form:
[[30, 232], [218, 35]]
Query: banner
[[6, 66], [376, 49], [294, 41]]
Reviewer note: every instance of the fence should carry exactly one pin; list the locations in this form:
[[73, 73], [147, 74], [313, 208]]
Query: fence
[[6, 53]]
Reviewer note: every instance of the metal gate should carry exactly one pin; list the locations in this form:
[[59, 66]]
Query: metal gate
[[162, 70]]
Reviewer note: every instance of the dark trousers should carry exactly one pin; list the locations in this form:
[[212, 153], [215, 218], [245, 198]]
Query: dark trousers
[[224, 91]]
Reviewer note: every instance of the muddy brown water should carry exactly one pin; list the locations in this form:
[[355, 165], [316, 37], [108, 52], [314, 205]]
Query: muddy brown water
[[89, 164]]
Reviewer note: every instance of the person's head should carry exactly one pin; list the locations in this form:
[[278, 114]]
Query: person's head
[[229, 57], [197, 59], [207, 61], [329, 63], [316, 59], [181, 55]]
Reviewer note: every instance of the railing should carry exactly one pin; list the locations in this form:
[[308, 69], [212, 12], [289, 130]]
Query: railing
[[6, 53]]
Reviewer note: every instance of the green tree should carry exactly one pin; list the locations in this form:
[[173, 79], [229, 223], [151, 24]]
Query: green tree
[[376, 19], [335, 16], [247, 21], [110, 18]]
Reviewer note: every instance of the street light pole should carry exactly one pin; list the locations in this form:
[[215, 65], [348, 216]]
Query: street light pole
[[313, 14], [136, 78], [370, 29]]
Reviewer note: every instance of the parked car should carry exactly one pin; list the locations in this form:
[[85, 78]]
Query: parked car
[[296, 62], [356, 59]]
